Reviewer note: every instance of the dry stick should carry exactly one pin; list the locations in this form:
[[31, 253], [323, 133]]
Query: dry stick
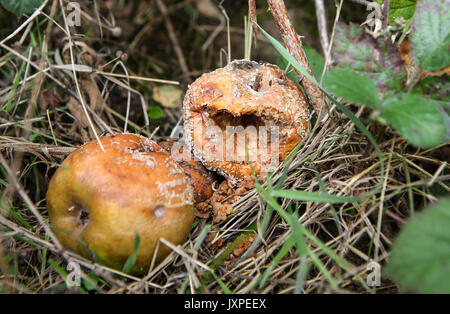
[[322, 25], [252, 13], [134, 77], [39, 148], [174, 40], [328, 55], [29, 20], [294, 46]]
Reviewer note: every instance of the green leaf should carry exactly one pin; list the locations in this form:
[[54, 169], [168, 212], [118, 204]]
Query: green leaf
[[418, 120], [20, 7], [351, 86], [155, 112], [430, 40], [132, 258], [377, 59], [401, 8], [420, 256]]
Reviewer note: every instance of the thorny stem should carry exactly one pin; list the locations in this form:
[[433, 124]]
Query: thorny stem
[[294, 46]]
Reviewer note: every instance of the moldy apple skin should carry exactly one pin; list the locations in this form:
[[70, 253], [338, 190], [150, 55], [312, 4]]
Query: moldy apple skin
[[243, 93], [106, 198]]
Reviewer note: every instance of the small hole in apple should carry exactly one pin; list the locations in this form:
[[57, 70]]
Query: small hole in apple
[[82, 215], [159, 211]]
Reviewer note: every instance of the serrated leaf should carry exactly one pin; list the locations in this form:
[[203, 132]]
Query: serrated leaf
[[420, 257], [377, 59], [401, 8], [351, 86], [416, 119], [22, 6], [431, 34]]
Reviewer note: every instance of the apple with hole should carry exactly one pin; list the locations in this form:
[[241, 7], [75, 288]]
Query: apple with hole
[[100, 199]]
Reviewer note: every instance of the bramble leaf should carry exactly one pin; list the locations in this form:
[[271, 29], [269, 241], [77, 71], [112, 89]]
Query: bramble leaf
[[418, 120], [21, 7], [431, 34], [401, 8], [420, 257], [351, 86], [377, 59]]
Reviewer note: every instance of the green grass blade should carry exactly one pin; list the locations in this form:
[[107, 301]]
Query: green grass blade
[[132, 258]]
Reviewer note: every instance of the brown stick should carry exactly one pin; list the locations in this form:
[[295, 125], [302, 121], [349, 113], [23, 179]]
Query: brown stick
[[294, 46], [252, 13]]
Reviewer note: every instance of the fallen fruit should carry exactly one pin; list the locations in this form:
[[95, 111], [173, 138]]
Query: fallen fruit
[[253, 102], [201, 180], [99, 201]]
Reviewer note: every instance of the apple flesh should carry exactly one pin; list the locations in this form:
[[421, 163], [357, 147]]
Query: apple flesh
[[98, 201]]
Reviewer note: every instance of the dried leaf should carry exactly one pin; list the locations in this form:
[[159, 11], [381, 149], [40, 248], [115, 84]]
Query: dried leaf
[[206, 8], [77, 111], [95, 97], [49, 99], [168, 96]]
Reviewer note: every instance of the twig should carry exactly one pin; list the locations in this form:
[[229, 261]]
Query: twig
[[322, 25], [294, 46], [328, 55], [252, 13], [29, 20]]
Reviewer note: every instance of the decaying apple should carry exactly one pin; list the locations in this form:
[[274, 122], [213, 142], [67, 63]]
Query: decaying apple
[[245, 109], [98, 201]]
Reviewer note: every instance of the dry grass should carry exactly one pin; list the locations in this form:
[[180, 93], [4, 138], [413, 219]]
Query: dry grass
[[47, 93]]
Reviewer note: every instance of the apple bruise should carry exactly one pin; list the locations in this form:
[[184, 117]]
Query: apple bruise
[[245, 94], [105, 198]]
